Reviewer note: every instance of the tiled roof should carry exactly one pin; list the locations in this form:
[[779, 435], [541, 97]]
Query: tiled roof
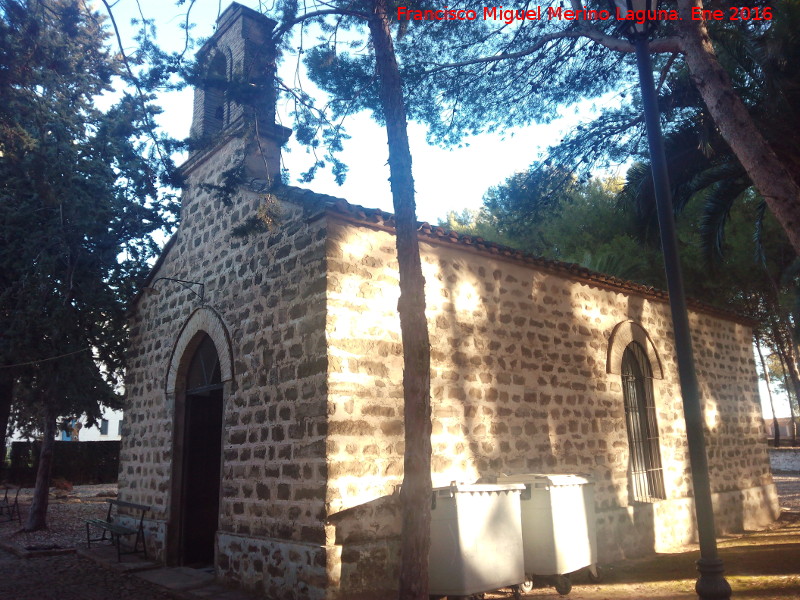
[[373, 217]]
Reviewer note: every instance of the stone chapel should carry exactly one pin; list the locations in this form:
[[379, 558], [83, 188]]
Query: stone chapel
[[264, 421]]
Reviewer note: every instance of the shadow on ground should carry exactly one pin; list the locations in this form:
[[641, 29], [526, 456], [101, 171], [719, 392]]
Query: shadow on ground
[[763, 565]]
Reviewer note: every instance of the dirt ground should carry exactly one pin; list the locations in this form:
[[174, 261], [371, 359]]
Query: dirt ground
[[762, 565]]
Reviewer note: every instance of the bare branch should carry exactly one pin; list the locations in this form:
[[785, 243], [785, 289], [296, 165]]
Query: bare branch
[[671, 44], [142, 97], [187, 26], [285, 27], [665, 71], [659, 46]]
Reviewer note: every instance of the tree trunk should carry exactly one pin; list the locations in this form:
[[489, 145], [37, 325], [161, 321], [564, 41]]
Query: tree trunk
[[777, 429], [789, 356], [415, 493], [37, 518], [788, 384], [792, 421], [769, 175], [6, 395]]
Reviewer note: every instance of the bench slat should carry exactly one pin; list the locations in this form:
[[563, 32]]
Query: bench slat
[[124, 504], [121, 529], [117, 529]]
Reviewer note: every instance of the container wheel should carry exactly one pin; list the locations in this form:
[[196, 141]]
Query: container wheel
[[527, 586], [562, 584], [595, 574]]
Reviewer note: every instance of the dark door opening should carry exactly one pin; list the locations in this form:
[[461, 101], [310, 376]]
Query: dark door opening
[[202, 452]]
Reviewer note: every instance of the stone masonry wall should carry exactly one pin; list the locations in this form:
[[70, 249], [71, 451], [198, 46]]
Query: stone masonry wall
[[520, 384], [313, 425], [269, 293], [242, 38]]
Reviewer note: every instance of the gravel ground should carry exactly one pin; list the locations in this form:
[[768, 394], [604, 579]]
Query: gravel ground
[[69, 577], [69, 510], [788, 490], [66, 576], [65, 517]]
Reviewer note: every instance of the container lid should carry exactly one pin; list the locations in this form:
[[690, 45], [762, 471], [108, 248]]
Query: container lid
[[554, 479], [479, 488]]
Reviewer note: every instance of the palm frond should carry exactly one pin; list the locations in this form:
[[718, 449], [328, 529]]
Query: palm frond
[[716, 212]]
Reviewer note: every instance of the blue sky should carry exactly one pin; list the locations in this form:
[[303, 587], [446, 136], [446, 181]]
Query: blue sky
[[446, 179]]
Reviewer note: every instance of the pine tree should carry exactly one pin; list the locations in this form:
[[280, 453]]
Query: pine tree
[[79, 199], [486, 75], [390, 109]]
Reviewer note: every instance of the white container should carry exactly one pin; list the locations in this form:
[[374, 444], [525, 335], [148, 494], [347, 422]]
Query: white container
[[476, 539], [558, 523]]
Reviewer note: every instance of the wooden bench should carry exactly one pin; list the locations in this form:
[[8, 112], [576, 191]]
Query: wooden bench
[[10, 508], [116, 530]]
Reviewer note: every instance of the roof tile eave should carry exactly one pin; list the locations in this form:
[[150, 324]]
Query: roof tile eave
[[371, 217]]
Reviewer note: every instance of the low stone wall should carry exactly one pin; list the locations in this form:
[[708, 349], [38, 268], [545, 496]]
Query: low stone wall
[[667, 526], [275, 568], [80, 464], [784, 460], [155, 534]]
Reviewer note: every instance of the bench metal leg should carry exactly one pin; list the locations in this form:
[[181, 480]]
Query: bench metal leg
[[140, 538], [9, 511], [102, 538], [115, 532]]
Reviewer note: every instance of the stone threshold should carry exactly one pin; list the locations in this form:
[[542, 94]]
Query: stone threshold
[[182, 583], [105, 555]]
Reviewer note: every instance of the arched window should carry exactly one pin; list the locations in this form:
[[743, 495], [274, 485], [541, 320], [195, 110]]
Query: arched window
[[640, 416], [215, 102], [204, 371]]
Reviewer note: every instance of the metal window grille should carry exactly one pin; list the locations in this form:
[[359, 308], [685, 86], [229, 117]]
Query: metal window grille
[[640, 416]]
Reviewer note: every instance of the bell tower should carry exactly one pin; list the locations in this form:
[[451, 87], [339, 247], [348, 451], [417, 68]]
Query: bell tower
[[234, 98]]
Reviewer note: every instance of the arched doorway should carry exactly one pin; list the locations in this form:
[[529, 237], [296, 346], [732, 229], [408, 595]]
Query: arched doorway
[[198, 504]]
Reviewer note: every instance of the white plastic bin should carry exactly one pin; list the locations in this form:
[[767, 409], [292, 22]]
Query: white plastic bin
[[476, 539], [558, 522]]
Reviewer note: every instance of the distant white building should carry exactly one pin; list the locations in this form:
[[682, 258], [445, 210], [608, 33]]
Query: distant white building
[[784, 427], [106, 429]]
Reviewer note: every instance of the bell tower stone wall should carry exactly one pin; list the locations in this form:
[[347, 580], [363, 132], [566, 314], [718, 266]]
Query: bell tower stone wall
[[235, 96], [263, 305]]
